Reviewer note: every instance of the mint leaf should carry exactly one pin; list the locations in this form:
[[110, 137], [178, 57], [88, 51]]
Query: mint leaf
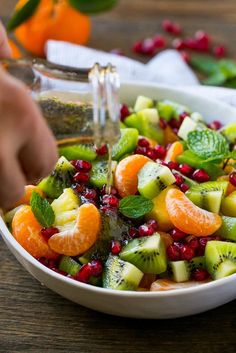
[[205, 64], [208, 144], [135, 206], [215, 79], [92, 6], [42, 210], [233, 154], [22, 14]]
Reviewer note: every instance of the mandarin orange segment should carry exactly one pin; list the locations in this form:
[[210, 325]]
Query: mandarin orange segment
[[174, 151], [167, 238], [190, 218], [230, 187], [169, 136], [126, 174], [29, 189], [82, 236], [27, 231], [163, 285]]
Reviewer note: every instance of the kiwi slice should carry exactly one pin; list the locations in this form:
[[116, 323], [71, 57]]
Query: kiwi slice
[[153, 178], [121, 275], [143, 102], [228, 207], [98, 176], [126, 144], [168, 109], [84, 152], [220, 258], [60, 179], [179, 271], [208, 195], [69, 265], [147, 253], [228, 228], [197, 262]]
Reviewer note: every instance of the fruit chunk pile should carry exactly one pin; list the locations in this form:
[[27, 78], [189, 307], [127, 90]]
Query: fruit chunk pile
[[169, 220]]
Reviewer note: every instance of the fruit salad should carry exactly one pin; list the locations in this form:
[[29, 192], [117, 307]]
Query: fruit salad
[[168, 220]]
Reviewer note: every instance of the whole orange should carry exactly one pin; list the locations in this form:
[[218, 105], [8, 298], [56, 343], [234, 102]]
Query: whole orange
[[52, 20], [16, 53]]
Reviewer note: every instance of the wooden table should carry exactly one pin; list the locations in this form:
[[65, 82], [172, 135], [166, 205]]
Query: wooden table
[[34, 319]]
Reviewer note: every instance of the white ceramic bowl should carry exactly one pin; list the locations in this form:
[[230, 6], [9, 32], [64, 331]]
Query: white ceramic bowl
[[172, 304]]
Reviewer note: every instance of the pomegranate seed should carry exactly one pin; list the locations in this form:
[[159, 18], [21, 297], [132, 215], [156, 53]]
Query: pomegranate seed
[[141, 150], [171, 27], [163, 123], [184, 187], [133, 232], [178, 44], [200, 176], [151, 153], [187, 253], [110, 200], [172, 165], [52, 264], [203, 41], [193, 242], [179, 179], [101, 151], [81, 177], [81, 165], [199, 274], [108, 209], [43, 261], [159, 42], [145, 230], [153, 224], [203, 241], [182, 116], [160, 161], [174, 123], [90, 194], [232, 178], [95, 268], [84, 273], [49, 232], [190, 43], [124, 112], [137, 47], [148, 47], [117, 51], [115, 247], [113, 190], [173, 253], [185, 169], [177, 234], [215, 125], [220, 51], [159, 151], [185, 56], [142, 142], [79, 188]]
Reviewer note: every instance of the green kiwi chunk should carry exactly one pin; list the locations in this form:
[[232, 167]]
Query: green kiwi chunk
[[61, 177], [220, 258], [179, 271], [98, 176], [208, 195], [126, 144], [147, 253], [120, 275], [168, 109], [228, 228], [69, 265], [197, 262], [79, 151]]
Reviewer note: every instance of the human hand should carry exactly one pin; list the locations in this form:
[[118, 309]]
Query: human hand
[[27, 147]]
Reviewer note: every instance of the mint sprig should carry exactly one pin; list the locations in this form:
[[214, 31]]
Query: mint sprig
[[22, 14], [209, 145], [135, 206], [42, 210], [92, 6]]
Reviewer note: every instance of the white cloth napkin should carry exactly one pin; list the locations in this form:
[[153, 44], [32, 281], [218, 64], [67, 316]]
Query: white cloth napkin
[[166, 67]]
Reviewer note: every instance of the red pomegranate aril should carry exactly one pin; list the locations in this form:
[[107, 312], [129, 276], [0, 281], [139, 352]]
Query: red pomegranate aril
[[163, 123], [182, 116], [43, 261], [185, 169], [90, 194], [177, 234], [178, 44], [145, 230], [137, 47], [171, 27], [124, 112], [110, 200], [115, 247], [185, 56], [199, 274], [142, 142], [173, 253], [141, 150], [215, 125], [133, 232], [84, 273], [113, 190], [95, 268], [79, 188], [203, 40], [232, 178], [159, 42], [184, 187], [159, 151], [193, 243], [174, 123], [81, 177], [173, 165], [49, 232], [81, 165], [179, 179], [203, 241], [153, 224], [101, 151], [187, 253], [108, 209], [151, 153], [220, 51], [190, 43], [148, 47], [200, 176]]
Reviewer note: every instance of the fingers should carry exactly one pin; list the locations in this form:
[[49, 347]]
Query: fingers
[[5, 50]]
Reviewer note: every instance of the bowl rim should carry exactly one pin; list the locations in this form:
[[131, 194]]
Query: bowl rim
[[8, 237]]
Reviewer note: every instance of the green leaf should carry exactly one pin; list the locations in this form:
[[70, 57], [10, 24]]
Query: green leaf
[[205, 64], [228, 68], [216, 79], [208, 144], [233, 155], [92, 6], [22, 14], [42, 210], [135, 206]]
